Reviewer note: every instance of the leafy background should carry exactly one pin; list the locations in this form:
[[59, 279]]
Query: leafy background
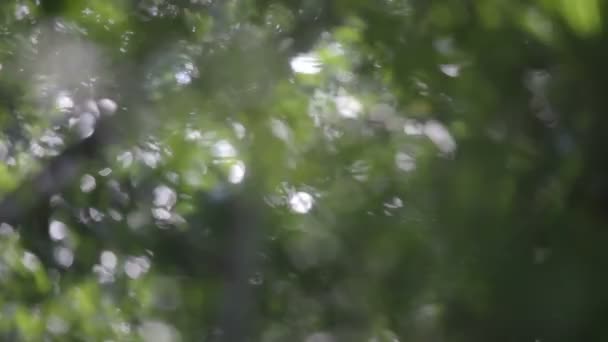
[[257, 170]]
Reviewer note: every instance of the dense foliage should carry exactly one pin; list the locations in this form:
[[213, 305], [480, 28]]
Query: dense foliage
[[303, 170]]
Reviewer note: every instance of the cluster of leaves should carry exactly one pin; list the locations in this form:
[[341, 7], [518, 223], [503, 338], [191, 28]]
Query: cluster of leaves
[[395, 170]]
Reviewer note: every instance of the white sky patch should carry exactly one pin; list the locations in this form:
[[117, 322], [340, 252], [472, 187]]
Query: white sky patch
[[108, 260], [440, 136], [96, 215], [306, 64], [21, 12], [86, 124], [193, 134], [405, 162], [151, 159], [114, 214], [57, 230], [348, 106], [107, 106], [134, 267], [30, 261], [51, 139], [125, 159], [280, 129], [158, 331], [223, 149], [336, 49], [161, 214], [301, 202], [37, 150], [64, 256], [6, 229], [164, 196], [91, 107], [452, 70], [394, 203], [64, 102], [413, 127], [239, 130], [360, 170], [236, 172], [105, 172], [183, 77], [87, 183]]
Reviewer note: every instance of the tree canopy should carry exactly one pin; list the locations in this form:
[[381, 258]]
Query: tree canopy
[[303, 170]]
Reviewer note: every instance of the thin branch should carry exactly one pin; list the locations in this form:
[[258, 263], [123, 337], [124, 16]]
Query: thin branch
[[237, 304]]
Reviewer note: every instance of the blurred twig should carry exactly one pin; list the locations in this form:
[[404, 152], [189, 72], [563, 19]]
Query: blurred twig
[[240, 262]]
